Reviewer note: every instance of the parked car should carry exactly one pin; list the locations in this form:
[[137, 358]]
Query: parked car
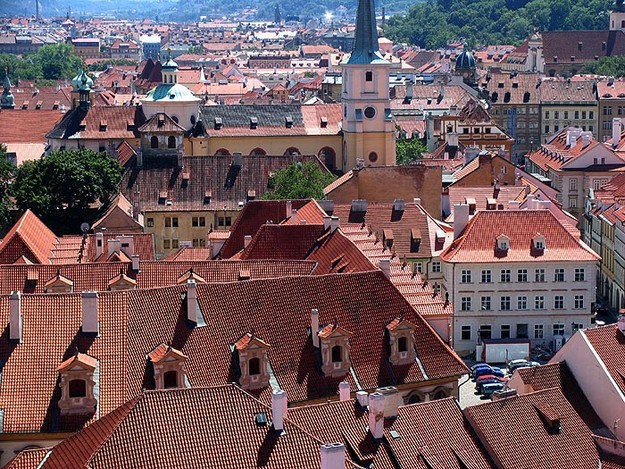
[[485, 370], [478, 365], [519, 363], [489, 388], [488, 379], [498, 371]]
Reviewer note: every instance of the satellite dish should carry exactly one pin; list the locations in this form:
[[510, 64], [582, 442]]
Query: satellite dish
[[84, 227]]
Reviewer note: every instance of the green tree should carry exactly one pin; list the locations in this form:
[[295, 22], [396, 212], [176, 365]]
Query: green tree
[[608, 66], [299, 181], [199, 50], [58, 61], [7, 172], [409, 150], [63, 186]]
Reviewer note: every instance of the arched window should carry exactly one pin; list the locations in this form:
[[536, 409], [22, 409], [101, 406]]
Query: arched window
[[77, 388], [192, 120], [328, 156], [402, 344], [222, 152], [170, 379], [171, 142], [337, 355], [440, 394], [373, 157], [258, 152], [414, 399], [175, 119], [289, 151], [154, 142], [254, 366]]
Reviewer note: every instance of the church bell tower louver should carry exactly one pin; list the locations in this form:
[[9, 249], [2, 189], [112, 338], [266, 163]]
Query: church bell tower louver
[[368, 131]]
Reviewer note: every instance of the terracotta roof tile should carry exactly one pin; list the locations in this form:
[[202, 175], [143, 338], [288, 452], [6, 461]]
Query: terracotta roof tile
[[282, 242], [21, 126], [29, 237], [609, 344]]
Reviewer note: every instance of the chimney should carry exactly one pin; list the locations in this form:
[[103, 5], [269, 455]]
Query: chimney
[[391, 400], [359, 205], [333, 456], [620, 322], [376, 415], [571, 138], [335, 222], [99, 244], [90, 312], [278, 409], [470, 153], [314, 326], [247, 239], [192, 308], [327, 220], [289, 209], [451, 139], [514, 205], [135, 262], [294, 216], [363, 398], [114, 245], [344, 391], [417, 201], [399, 205], [409, 89], [616, 130], [15, 320], [385, 266], [531, 201], [586, 136], [237, 159], [461, 218]]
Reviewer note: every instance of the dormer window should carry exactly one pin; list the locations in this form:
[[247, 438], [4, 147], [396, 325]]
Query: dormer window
[[334, 341], [59, 284], [77, 385], [169, 367], [538, 242], [402, 342], [503, 243], [122, 282], [253, 361]]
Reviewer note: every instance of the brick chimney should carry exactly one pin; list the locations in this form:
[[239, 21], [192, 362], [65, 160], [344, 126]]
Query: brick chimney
[[333, 456], [376, 415], [278, 409], [461, 218], [90, 323], [192, 301], [314, 326], [391, 400], [344, 391], [15, 320]]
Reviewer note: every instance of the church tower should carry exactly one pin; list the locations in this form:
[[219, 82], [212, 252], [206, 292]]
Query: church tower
[[368, 132]]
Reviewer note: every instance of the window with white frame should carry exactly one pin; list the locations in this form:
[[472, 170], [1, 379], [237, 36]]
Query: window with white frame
[[436, 267], [505, 303], [465, 276], [505, 276], [505, 331], [521, 302], [559, 275], [465, 303], [558, 329], [539, 331], [485, 303], [580, 274], [486, 276], [539, 275], [558, 302], [521, 275], [578, 302], [539, 302], [573, 184]]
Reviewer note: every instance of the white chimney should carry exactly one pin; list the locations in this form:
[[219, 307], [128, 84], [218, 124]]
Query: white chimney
[[514, 205], [399, 205], [127, 244], [376, 415], [90, 312], [114, 245], [531, 199], [15, 320], [363, 398], [385, 266], [136, 266], [192, 301], [417, 200], [278, 409], [327, 220], [620, 323], [294, 218], [616, 130], [452, 139], [289, 209], [99, 244], [544, 204], [586, 137], [247, 239], [571, 138], [391, 400], [333, 456], [344, 391], [314, 326], [461, 218]]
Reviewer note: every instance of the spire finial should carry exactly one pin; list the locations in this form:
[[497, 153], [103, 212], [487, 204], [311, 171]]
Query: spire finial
[[366, 47]]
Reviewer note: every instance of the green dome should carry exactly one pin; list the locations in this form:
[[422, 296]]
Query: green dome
[[82, 82], [171, 93], [465, 60], [170, 65]]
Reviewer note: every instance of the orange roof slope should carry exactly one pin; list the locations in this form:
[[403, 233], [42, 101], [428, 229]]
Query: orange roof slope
[[29, 237]]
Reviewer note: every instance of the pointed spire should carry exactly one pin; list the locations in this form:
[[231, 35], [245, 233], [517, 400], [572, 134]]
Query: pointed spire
[[366, 47]]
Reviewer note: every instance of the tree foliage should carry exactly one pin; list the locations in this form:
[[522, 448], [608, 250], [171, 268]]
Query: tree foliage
[[65, 185], [51, 62], [299, 181], [608, 66], [104, 64], [435, 22], [409, 150], [7, 171]]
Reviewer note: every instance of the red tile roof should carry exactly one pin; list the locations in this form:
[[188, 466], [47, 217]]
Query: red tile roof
[[609, 344], [122, 123], [528, 436], [28, 237], [27, 459], [282, 242], [19, 126], [478, 242]]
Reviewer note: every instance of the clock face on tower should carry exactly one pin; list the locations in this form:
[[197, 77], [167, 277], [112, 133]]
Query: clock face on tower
[[369, 112]]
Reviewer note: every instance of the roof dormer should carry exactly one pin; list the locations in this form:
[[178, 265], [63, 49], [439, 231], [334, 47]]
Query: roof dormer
[[59, 284], [401, 341], [169, 370], [190, 275], [122, 282], [335, 358], [78, 385], [503, 243], [539, 243], [253, 361]]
